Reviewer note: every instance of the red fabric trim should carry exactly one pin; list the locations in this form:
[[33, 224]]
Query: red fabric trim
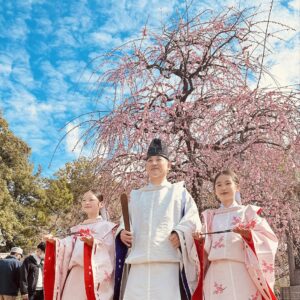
[[88, 272], [251, 245], [198, 294], [259, 211], [273, 297], [49, 271]]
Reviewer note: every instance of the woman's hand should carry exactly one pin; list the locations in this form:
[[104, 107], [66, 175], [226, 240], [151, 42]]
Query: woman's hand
[[198, 236], [245, 233], [88, 239], [49, 238], [174, 239], [126, 237]]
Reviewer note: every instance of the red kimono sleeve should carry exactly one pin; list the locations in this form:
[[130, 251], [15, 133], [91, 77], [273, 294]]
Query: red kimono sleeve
[[198, 294], [49, 271], [88, 273]]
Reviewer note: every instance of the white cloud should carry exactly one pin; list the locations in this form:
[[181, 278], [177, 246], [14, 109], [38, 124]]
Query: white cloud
[[101, 37], [64, 37], [5, 65], [285, 65], [22, 74], [104, 40], [70, 30], [53, 80], [16, 66], [5, 69], [72, 139], [16, 30], [295, 4], [71, 68], [45, 26], [46, 107]]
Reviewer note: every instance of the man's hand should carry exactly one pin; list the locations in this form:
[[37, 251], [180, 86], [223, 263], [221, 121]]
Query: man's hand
[[174, 239], [25, 297], [126, 237]]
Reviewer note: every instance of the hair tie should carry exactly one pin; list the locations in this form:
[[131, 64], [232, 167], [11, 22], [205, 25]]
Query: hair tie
[[237, 197], [104, 213]]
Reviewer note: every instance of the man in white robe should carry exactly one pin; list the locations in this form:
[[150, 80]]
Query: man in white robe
[[163, 259]]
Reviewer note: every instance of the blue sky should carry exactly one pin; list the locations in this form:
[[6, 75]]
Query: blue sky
[[46, 44]]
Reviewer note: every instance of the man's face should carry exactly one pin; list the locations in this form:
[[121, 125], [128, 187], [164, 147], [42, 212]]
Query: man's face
[[157, 167], [40, 253]]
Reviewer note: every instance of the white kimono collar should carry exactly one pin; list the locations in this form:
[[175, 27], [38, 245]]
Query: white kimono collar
[[222, 209], [234, 204], [153, 187], [92, 221]]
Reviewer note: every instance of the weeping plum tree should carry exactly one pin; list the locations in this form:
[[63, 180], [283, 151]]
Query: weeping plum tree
[[197, 85]]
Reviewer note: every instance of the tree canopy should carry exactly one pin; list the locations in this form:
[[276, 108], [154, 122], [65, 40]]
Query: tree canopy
[[20, 191], [30, 205], [197, 85]]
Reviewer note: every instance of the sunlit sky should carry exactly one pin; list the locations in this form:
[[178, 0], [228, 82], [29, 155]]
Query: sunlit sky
[[46, 44]]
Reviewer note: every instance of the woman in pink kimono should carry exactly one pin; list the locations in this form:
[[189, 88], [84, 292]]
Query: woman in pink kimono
[[81, 266], [239, 249]]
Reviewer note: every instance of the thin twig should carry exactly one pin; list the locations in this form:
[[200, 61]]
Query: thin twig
[[264, 46]]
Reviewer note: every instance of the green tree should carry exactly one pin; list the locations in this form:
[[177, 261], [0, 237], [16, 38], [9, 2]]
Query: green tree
[[20, 192], [80, 175], [58, 202], [62, 204], [62, 207], [83, 175]]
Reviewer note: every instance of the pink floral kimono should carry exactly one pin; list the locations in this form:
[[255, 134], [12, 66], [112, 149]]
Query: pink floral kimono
[[74, 270], [239, 269]]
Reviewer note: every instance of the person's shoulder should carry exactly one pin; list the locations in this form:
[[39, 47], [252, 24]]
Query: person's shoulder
[[209, 212], [134, 193], [105, 227], [8, 260], [179, 184], [253, 209], [29, 259], [105, 223], [10, 257], [26, 259]]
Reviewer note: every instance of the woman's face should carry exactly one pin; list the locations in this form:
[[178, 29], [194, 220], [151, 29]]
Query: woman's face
[[90, 203], [225, 189], [157, 167]]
